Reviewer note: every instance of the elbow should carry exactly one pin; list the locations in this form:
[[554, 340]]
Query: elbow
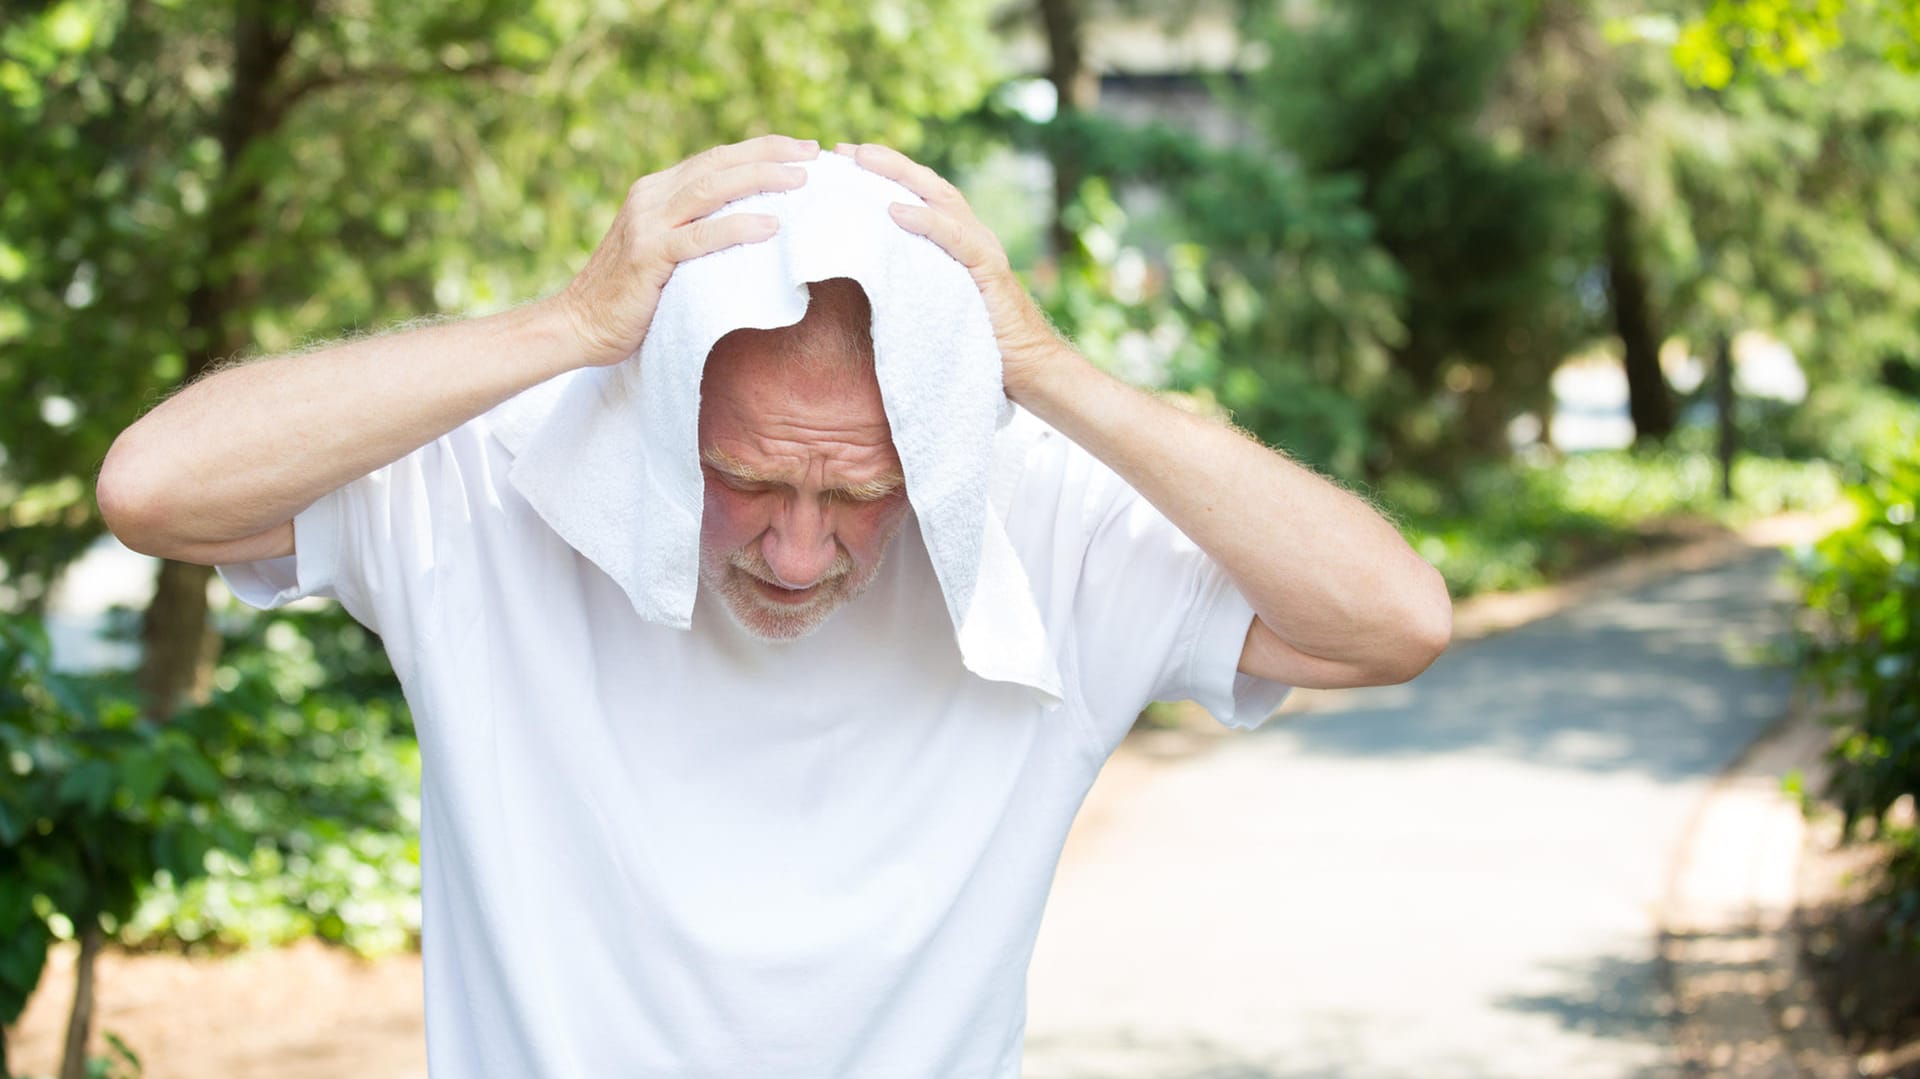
[[1424, 631], [127, 503]]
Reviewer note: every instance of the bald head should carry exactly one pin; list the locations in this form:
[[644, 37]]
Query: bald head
[[834, 340]]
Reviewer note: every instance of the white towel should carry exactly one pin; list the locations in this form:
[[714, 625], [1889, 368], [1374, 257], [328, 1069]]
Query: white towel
[[609, 456]]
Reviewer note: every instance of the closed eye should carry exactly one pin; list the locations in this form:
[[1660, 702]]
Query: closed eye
[[870, 491], [741, 483]]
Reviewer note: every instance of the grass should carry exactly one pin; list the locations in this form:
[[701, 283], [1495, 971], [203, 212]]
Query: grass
[[1522, 524]]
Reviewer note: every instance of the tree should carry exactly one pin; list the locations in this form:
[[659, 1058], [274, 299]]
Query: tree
[[1613, 112], [1489, 239], [1076, 90], [189, 183], [1798, 220], [1779, 36], [182, 184]]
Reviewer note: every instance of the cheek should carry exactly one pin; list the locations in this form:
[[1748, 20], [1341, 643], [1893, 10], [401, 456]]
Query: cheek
[[865, 530], [729, 520]]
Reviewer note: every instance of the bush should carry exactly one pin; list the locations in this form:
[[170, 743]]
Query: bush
[[326, 786], [1520, 524], [286, 806], [96, 799], [1861, 591]]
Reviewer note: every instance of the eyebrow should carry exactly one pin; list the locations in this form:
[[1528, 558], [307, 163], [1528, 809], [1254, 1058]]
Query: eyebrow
[[865, 491]]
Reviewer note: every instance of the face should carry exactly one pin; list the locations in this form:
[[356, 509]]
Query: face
[[804, 491]]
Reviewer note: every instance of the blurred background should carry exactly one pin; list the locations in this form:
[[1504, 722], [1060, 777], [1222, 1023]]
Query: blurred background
[[1556, 283]]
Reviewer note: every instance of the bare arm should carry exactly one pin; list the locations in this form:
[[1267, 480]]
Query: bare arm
[[1339, 598], [217, 472], [1342, 599]]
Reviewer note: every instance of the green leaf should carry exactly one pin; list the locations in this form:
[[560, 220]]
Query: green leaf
[[121, 1050], [22, 958], [142, 774], [12, 826], [90, 783], [199, 775]]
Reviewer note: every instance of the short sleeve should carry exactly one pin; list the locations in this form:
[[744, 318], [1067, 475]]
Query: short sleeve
[[1136, 610], [377, 543], [1157, 619], [310, 571]]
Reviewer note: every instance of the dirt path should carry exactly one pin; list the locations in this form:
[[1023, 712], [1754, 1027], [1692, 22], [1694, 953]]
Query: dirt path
[[301, 1012]]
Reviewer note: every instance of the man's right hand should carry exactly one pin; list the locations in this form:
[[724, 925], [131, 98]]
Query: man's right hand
[[216, 473], [610, 302]]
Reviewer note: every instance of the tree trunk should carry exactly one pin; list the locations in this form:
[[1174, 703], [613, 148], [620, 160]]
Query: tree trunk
[[1076, 89], [1649, 401], [180, 645], [1483, 419], [1723, 400], [178, 641], [73, 1065]]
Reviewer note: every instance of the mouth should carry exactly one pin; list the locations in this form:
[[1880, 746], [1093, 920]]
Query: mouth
[[791, 596]]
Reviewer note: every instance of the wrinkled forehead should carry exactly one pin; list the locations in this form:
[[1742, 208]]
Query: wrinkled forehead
[[811, 380], [834, 337]]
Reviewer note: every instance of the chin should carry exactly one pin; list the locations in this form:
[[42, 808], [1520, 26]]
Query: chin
[[773, 625], [776, 622]]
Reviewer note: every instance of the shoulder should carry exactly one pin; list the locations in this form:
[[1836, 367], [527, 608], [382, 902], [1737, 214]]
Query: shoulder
[[1034, 464]]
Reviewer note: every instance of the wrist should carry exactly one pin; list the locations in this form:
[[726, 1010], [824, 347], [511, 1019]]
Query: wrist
[[583, 342], [1051, 381], [550, 336], [563, 336]]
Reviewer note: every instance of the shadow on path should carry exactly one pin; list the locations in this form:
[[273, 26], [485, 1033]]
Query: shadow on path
[[1451, 878], [1671, 680]]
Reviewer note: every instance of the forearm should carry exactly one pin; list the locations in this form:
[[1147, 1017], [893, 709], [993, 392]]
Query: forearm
[[1327, 574], [245, 449], [1341, 598]]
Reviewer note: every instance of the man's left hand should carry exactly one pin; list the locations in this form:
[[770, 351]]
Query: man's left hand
[[1029, 345]]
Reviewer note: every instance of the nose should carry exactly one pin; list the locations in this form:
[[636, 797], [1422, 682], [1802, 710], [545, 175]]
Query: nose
[[799, 547]]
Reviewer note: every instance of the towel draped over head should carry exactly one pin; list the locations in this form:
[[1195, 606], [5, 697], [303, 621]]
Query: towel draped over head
[[609, 456]]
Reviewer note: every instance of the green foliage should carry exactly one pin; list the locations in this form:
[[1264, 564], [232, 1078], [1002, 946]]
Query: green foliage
[[1779, 36], [1842, 421], [1793, 214], [1366, 275], [1507, 526], [119, 1062], [162, 205], [97, 800], [1256, 286], [326, 787], [286, 806], [1861, 587], [1491, 242]]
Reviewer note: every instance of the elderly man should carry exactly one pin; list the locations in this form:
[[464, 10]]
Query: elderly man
[[802, 836]]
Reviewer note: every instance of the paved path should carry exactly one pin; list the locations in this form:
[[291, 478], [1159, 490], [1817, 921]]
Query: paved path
[[1453, 878]]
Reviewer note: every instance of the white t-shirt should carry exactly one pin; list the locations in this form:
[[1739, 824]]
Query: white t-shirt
[[666, 853]]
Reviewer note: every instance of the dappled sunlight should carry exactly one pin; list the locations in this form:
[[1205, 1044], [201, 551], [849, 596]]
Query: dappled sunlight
[[1454, 877], [1641, 677]]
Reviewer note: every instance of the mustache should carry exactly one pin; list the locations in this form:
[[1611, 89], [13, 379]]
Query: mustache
[[750, 561]]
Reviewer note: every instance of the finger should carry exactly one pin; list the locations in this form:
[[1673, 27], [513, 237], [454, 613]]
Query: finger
[[763, 148], [717, 234], [977, 252], [915, 177], [705, 193]]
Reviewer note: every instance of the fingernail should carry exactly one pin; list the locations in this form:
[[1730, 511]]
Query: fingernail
[[846, 148]]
